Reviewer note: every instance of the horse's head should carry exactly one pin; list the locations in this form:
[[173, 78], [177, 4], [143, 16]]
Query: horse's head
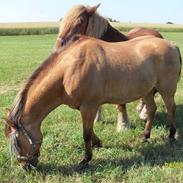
[[75, 22], [22, 143]]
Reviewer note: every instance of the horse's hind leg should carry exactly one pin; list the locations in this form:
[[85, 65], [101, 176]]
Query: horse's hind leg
[[141, 108], [122, 117], [140, 105], [98, 114], [151, 110], [171, 108], [88, 115]]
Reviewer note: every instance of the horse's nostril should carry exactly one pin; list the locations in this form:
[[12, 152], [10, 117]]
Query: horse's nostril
[[62, 42]]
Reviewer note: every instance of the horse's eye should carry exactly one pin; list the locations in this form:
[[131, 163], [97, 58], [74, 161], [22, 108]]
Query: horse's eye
[[80, 21]]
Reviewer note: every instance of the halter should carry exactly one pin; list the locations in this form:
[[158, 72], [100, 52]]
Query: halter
[[15, 147]]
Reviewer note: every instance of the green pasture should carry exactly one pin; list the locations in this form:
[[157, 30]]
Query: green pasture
[[123, 158]]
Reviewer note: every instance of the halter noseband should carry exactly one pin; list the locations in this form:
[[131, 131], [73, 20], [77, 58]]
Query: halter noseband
[[15, 147]]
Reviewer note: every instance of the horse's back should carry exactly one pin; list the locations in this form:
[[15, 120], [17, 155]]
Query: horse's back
[[100, 71], [139, 31]]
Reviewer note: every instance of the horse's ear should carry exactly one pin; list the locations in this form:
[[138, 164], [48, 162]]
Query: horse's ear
[[9, 127], [9, 123], [7, 130], [93, 9], [7, 110]]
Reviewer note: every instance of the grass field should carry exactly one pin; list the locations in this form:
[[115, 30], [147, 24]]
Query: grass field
[[123, 158]]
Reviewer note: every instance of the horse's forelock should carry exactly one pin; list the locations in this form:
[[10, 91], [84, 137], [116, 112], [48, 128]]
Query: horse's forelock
[[71, 17]]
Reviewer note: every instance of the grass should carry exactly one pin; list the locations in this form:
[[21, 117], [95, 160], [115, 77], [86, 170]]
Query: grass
[[40, 28], [123, 158]]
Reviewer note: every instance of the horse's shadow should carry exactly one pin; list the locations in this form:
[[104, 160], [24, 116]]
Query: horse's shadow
[[150, 153]]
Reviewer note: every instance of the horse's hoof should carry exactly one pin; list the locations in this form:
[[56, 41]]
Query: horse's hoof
[[82, 165], [171, 139], [144, 140], [97, 145], [123, 128], [28, 167]]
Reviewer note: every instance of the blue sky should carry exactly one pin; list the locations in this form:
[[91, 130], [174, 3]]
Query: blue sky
[[156, 11]]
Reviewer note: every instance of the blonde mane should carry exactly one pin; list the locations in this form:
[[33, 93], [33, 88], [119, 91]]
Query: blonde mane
[[70, 18], [97, 26]]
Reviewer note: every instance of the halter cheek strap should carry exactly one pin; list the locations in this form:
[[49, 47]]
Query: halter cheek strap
[[16, 148]]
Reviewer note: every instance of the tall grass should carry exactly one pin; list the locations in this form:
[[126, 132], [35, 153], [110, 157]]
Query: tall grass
[[28, 31], [40, 28]]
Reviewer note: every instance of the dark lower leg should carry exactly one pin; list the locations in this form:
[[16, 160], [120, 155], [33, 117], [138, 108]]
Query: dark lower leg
[[96, 141], [172, 133], [171, 108], [88, 115], [147, 131], [171, 119], [151, 110]]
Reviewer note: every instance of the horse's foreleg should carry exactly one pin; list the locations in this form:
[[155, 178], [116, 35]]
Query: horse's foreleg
[[122, 118], [151, 110], [88, 116]]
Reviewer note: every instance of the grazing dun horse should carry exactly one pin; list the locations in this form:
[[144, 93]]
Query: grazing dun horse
[[86, 74], [86, 21]]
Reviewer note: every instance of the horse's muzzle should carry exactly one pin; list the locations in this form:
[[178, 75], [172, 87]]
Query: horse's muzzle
[[30, 165]]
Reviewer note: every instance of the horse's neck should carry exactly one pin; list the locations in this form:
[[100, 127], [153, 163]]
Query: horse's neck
[[42, 98], [113, 35]]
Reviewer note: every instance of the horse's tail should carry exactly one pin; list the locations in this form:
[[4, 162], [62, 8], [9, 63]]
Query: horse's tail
[[180, 58]]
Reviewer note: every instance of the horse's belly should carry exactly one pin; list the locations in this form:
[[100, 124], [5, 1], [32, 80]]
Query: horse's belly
[[127, 90]]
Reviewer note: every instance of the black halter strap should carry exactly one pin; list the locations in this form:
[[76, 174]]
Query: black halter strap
[[16, 148]]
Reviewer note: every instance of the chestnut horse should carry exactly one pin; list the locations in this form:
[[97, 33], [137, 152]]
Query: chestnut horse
[[86, 21], [86, 74], [139, 31]]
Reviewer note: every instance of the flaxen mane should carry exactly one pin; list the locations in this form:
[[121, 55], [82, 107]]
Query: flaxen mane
[[97, 25], [70, 18]]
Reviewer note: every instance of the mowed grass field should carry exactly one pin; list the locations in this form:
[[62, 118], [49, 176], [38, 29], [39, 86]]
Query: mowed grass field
[[123, 158]]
